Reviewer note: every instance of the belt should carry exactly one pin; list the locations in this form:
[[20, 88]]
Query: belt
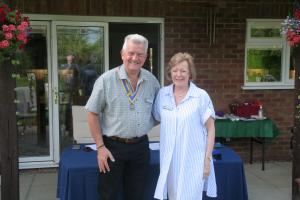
[[133, 140]]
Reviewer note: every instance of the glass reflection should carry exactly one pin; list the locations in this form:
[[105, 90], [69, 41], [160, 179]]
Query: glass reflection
[[32, 106], [80, 61]]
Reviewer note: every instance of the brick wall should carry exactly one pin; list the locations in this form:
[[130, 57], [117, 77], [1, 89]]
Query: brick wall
[[220, 66]]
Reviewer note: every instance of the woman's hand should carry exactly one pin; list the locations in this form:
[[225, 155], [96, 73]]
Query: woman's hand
[[103, 155], [206, 170]]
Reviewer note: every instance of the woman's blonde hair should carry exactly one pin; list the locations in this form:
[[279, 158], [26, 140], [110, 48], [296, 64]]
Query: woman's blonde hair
[[178, 58]]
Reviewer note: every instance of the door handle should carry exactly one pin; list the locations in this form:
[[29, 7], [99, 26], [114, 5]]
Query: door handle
[[55, 94]]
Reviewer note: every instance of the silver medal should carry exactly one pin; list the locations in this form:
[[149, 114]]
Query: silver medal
[[131, 106]]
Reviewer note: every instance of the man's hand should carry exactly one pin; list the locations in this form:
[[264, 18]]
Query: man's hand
[[103, 155]]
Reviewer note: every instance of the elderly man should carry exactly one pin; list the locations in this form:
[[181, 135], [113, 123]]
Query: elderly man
[[119, 116]]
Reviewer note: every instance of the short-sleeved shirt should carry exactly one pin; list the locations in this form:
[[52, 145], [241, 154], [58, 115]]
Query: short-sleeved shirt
[[117, 116]]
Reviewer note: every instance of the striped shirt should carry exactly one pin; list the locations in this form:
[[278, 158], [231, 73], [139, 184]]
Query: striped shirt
[[183, 140], [117, 116]]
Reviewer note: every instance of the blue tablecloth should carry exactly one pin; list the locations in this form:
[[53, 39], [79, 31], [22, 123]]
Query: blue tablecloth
[[78, 174]]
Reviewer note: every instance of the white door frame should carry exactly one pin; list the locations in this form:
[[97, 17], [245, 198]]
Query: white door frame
[[42, 161], [55, 72]]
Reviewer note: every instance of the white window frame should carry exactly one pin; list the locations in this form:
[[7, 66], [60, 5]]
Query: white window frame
[[263, 43]]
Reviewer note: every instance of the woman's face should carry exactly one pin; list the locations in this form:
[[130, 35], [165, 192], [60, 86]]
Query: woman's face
[[180, 74]]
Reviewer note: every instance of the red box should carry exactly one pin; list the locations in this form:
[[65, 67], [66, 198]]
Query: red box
[[244, 109]]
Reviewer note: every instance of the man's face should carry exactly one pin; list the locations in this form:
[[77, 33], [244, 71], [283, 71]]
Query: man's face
[[70, 58], [133, 56]]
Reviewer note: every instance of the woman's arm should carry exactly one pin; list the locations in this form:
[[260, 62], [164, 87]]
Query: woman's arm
[[210, 127]]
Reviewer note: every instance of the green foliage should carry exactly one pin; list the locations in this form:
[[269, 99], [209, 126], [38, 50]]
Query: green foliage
[[86, 44]]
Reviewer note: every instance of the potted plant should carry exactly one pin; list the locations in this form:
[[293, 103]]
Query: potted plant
[[291, 27], [13, 32]]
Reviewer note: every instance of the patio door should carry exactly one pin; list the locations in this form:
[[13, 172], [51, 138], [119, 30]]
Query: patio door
[[59, 66], [33, 103], [79, 52]]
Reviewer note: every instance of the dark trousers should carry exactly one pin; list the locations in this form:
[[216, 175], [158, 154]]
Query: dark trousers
[[127, 174]]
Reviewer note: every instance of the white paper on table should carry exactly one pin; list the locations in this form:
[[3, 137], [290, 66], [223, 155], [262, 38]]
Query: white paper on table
[[154, 146], [92, 146]]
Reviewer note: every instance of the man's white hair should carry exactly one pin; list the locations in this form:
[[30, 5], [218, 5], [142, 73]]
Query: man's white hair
[[137, 39]]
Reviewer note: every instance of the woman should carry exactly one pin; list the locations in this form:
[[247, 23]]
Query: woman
[[187, 135]]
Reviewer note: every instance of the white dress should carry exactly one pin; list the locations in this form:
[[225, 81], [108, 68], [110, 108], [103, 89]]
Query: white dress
[[183, 139]]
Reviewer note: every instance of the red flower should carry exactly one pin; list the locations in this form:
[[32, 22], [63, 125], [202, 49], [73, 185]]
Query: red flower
[[8, 36], [4, 44], [297, 14], [12, 27], [5, 28], [21, 28], [22, 37], [13, 30]]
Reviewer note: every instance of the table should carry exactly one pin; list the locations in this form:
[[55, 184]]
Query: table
[[78, 173], [259, 131]]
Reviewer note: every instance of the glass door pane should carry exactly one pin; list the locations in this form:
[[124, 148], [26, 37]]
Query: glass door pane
[[80, 61], [32, 95]]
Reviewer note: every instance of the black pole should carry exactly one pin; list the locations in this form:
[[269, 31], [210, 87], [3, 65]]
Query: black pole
[[8, 135], [296, 132]]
